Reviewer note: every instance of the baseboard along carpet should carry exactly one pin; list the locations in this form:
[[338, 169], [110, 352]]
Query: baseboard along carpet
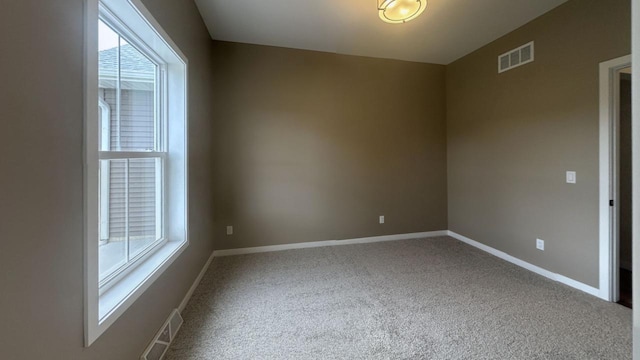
[[434, 298]]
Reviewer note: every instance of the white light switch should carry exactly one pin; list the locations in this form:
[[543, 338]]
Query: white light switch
[[229, 230], [571, 177]]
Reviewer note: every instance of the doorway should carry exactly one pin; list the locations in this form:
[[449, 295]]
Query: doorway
[[623, 174], [615, 181]]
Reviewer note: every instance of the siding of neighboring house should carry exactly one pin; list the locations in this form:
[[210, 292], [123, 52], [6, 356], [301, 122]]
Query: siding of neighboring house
[[135, 132]]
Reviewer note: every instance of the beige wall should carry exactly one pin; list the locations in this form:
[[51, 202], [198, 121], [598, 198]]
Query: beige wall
[[41, 201], [512, 136], [315, 146]]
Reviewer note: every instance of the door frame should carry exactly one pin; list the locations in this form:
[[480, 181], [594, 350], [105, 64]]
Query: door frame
[[609, 182]]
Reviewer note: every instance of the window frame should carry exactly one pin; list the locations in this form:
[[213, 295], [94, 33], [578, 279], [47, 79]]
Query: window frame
[[105, 112], [102, 307]]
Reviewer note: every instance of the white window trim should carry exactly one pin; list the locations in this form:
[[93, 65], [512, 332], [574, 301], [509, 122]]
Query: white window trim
[[102, 310], [105, 130]]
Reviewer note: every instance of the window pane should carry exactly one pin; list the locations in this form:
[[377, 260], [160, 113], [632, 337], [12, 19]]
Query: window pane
[[113, 215], [130, 210], [144, 204], [128, 89]]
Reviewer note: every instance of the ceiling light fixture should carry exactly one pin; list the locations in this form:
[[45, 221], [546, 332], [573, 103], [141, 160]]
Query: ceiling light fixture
[[400, 11]]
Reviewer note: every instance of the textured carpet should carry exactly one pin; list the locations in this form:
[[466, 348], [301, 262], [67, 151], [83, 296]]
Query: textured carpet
[[431, 298]]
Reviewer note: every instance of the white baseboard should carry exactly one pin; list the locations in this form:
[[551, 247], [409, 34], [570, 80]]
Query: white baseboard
[[536, 269], [314, 244], [195, 284]]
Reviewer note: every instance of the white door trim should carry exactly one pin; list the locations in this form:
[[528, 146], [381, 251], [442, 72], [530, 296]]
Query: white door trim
[[609, 74]]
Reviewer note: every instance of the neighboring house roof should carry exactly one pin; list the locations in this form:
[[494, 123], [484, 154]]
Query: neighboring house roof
[[137, 72]]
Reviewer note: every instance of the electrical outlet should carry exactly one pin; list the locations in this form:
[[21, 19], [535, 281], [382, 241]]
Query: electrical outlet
[[229, 230], [381, 219], [540, 244]]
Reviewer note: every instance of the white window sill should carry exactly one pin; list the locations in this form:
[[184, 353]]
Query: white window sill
[[114, 301]]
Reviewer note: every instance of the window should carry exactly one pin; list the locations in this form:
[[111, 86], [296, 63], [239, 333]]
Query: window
[[136, 164], [132, 152]]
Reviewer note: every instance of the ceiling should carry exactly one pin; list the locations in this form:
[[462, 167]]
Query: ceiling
[[446, 31]]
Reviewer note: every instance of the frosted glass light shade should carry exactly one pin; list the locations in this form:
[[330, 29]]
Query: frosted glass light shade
[[400, 11]]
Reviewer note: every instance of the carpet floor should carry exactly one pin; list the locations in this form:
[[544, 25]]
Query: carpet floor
[[434, 298]]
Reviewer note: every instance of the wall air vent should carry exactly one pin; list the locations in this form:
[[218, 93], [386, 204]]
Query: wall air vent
[[516, 57], [163, 338]]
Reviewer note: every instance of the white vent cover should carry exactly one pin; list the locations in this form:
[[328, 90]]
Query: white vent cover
[[164, 337], [516, 57]]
